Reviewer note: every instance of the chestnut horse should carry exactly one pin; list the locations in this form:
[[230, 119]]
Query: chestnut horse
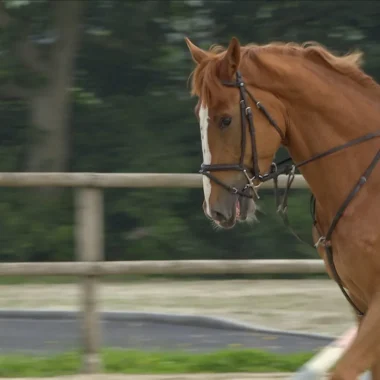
[[326, 111]]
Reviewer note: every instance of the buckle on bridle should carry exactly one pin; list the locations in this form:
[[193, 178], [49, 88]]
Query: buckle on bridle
[[251, 184], [321, 241]]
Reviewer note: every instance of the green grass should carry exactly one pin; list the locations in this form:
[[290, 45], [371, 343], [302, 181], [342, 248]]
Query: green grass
[[137, 362]]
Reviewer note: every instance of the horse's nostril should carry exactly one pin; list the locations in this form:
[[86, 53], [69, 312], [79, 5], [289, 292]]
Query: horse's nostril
[[219, 216], [222, 218]]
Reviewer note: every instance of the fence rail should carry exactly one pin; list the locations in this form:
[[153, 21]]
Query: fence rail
[[117, 180], [89, 243], [179, 267]]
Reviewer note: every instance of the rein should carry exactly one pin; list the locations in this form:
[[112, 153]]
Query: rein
[[284, 168]]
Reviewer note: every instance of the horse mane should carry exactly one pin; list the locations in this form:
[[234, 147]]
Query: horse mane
[[205, 81]]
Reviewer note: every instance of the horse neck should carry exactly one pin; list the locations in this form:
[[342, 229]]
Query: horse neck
[[325, 116]]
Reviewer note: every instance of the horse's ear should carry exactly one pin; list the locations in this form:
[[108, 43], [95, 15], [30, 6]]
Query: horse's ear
[[231, 59], [197, 53]]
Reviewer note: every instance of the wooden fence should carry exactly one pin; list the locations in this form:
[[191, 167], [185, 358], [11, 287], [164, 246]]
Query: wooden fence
[[89, 241]]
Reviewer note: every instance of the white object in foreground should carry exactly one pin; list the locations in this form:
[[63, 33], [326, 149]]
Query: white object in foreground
[[318, 365]]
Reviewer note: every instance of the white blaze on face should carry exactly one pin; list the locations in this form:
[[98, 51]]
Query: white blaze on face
[[203, 121]]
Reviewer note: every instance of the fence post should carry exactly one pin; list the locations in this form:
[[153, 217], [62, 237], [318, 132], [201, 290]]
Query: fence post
[[89, 233]]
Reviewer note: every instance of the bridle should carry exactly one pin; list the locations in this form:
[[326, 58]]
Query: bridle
[[284, 167], [245, 115]]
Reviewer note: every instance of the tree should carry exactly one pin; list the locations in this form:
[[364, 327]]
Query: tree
[[42, 74], [125, 77]]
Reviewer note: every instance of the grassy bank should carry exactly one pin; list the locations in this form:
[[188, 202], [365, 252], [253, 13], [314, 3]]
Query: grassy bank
[[137, 362]]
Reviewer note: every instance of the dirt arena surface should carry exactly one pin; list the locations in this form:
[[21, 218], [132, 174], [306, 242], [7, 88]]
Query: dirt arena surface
[[301, 305], [208, 376]]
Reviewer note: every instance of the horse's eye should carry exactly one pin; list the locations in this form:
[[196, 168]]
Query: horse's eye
[[225, 122]]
